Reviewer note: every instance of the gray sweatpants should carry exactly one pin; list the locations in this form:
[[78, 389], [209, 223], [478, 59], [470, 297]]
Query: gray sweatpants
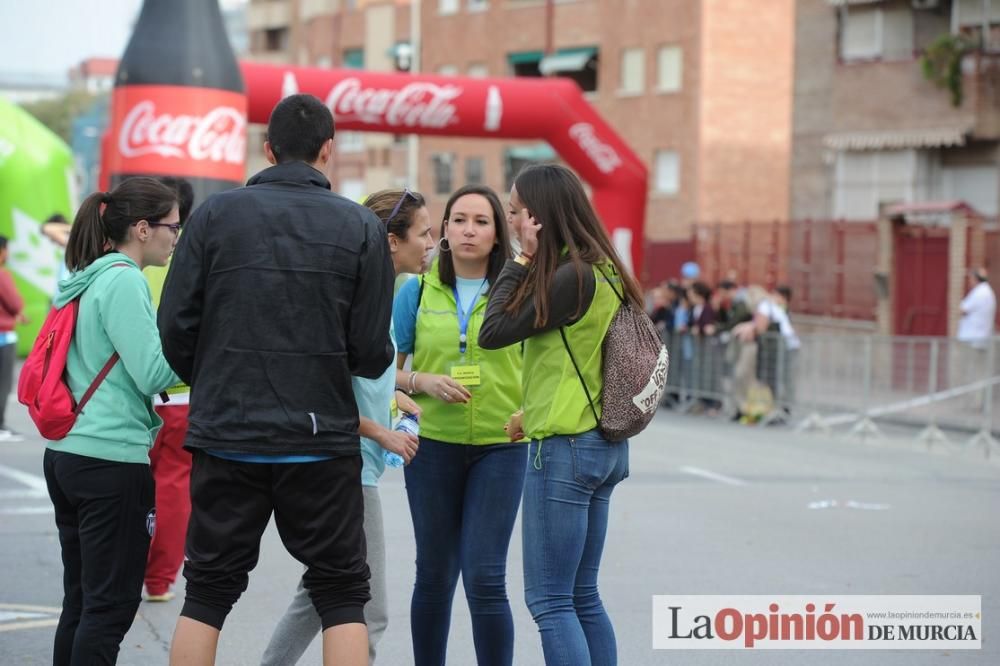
[[300, 624]]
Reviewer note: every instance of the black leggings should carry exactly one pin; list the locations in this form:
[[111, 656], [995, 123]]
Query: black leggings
[[105, 515]]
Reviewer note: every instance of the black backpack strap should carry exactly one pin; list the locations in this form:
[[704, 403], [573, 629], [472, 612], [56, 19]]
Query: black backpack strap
[[621, 296], [579, 374]]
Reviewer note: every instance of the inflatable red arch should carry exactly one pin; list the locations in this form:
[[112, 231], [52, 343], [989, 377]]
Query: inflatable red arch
[[512, 108]]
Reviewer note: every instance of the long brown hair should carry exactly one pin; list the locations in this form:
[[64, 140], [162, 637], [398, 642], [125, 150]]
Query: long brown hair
[[554, 196], [96, 232], [501, 251]]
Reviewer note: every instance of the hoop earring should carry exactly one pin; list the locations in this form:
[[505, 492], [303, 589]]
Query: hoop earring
[[442, 245]]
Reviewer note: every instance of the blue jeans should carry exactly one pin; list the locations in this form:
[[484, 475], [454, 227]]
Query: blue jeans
[[567, 496], [463, 501]]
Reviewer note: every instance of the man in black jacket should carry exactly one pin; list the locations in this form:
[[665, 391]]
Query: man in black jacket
[[277, 294]]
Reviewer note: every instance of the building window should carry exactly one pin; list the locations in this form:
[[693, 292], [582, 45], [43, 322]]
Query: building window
[[867, 181], [479, 70], [447, 70], [478, 5], [633, 74], [579, 64], [447, 6], [326, 62], [354, 58], [978, 20], [872, 33], [474, 171], [442, 163], [353, 189], [669, 69], [276, 39], [668, 172], [350, 142]]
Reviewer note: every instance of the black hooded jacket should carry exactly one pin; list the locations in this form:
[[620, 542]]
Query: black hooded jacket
[[277, 293]]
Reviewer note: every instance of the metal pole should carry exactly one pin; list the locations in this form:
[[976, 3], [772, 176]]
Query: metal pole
[[413, 141]]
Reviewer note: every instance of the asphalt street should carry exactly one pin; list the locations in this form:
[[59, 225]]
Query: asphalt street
[[710, 508]]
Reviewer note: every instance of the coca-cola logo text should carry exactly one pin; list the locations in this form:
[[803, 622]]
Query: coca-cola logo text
[[418, 104], [603, 155], [217, 136]]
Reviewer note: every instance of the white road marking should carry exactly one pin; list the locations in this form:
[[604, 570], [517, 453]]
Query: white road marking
[[26, 616], [22, 494], [26, 510], [33, 481], [30, 624], [713, 476], [7, 616]]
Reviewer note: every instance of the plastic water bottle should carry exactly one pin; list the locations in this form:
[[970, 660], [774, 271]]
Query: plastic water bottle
[[408, 423]]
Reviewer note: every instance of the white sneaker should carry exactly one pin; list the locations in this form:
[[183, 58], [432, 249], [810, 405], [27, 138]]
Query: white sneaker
[[10, 436]]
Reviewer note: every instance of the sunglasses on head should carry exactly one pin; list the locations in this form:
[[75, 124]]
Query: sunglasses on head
[[399, 204]]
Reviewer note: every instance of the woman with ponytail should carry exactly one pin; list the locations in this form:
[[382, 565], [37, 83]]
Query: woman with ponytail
[[98, 475]]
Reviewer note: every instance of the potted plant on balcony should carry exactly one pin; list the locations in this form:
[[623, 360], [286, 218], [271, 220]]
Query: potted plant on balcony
[[941, 63]]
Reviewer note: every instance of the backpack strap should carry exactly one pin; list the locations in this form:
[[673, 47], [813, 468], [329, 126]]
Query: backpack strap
[[108, 365], [621, 296], [590, 401], [96, 383]]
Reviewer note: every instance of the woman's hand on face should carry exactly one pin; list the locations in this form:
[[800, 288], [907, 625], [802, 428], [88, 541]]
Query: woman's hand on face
[[403, 444], [529, 236], [443, 387], [406, 404]]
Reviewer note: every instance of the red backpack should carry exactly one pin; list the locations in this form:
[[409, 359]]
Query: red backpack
[[42, 385]]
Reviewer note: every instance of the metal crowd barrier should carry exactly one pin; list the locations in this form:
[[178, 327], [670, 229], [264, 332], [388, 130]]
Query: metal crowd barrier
[[842, 380]]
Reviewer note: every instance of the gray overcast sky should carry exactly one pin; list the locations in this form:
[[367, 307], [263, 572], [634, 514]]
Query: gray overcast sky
[[50, 36]]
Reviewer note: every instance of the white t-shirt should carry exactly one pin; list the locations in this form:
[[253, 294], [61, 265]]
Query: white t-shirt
[[777, 315], [979, 310]]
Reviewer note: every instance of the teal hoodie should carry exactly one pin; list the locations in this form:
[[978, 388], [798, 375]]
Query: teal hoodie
[[116, 313]]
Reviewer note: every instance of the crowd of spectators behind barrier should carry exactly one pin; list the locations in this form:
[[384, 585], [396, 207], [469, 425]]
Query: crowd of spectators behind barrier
[[732, 347]]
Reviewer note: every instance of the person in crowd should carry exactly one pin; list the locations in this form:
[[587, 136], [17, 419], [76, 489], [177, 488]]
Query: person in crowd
[[978, 311], [170, 463], [777, 347], [408, 226], [705, 361], [280, 291], [56, 229], [660, 311], [98, 476], [561, 294], [465, 485], [11, 314], [976, 326]]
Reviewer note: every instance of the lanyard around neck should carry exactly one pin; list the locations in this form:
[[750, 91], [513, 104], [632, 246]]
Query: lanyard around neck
[[464, 314]]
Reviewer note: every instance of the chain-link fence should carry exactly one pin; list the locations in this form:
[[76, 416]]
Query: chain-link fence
[[836, 380]]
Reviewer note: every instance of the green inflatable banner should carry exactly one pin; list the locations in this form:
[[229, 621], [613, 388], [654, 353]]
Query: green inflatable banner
[[36, 180]]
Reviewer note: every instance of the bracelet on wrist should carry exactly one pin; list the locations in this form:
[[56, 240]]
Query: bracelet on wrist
[[412, 384]]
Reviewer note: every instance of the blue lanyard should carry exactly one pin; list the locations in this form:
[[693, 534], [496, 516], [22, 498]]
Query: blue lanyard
[[464, 316]]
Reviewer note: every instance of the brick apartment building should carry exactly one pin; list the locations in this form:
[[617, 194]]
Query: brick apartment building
[[870, 130], [704, 101]]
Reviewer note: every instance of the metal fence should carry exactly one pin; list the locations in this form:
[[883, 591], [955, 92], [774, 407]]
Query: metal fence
[[832, 381]]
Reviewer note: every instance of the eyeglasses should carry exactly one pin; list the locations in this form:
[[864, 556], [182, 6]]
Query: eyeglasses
[[399, 204], [175, 228]]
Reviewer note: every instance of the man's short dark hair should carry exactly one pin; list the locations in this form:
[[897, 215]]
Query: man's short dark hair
[[56, 218], [3, 242], [785, 291], [727, 285], [298, 128]]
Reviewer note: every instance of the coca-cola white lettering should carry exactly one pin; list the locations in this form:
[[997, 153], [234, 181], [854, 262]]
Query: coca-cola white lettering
[[217, 136], [417, 104], [603, 155]]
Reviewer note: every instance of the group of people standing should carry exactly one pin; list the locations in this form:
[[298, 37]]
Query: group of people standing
[[278, 312]]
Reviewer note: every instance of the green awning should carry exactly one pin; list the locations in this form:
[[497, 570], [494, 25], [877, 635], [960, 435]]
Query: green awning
[[567, 60], [354, 58], [524, 57], [536, 152]]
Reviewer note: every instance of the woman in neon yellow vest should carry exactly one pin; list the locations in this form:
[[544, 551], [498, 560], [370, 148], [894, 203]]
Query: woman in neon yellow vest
[[561, 292], [465, 484]]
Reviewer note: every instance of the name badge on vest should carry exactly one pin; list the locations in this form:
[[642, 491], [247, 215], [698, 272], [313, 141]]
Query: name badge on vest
[[466, 374]]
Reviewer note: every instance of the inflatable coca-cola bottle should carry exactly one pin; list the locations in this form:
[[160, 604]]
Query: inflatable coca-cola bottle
[[178, 106]]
